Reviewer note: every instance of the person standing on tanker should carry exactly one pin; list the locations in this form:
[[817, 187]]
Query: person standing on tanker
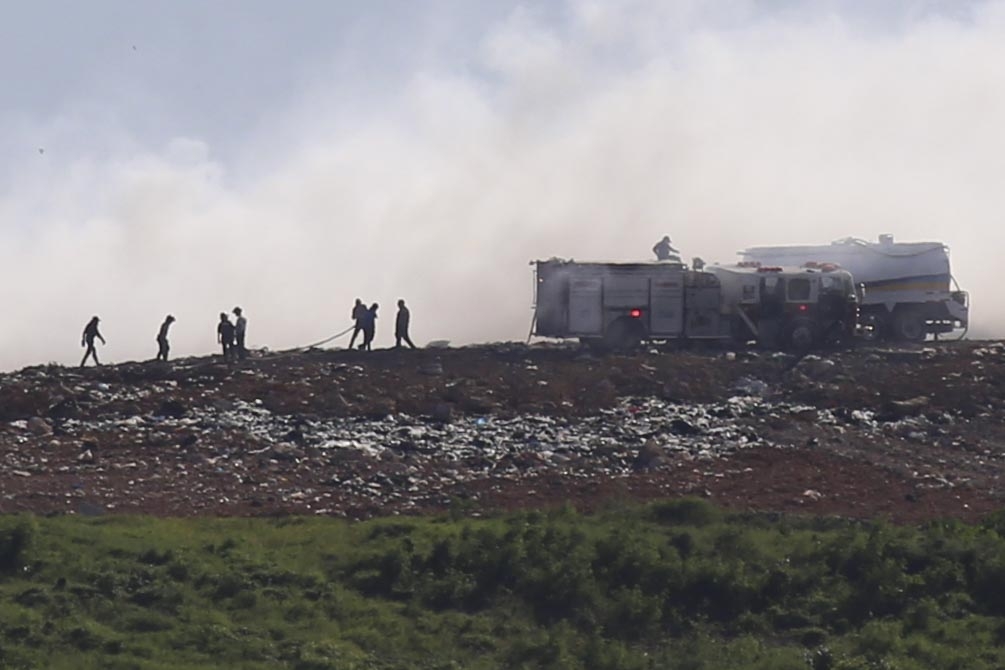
[[401, 326], [91, 332], [225, 336], [162, 339], [664, 251], [240, 330], [358, 314], [369, 327]]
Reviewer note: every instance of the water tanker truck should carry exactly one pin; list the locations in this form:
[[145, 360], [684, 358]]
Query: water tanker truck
[[909, 289]]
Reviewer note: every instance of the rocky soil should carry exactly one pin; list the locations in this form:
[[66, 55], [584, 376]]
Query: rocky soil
[[904, 434]]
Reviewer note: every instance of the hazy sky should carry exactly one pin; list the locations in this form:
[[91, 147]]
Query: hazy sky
[[187, 157]]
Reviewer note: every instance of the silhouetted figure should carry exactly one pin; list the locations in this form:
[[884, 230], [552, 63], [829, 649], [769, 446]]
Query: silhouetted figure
[[358, 314], [697, 264], [162, 339], [240, 330], [91, 332], [401, 326], [225, 336], [664, 251], [369, 327]]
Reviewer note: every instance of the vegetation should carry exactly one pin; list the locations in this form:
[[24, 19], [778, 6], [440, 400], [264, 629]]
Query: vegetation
[[676, 585]]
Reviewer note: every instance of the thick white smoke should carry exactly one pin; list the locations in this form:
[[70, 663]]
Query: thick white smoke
[[589, 135]]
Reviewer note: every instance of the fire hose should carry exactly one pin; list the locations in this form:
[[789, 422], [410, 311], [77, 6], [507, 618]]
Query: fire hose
[[327, 339], [296, 350]]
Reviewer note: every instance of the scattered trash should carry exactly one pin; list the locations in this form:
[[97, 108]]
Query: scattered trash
[[750, 386], [38, 426], [434, 368]]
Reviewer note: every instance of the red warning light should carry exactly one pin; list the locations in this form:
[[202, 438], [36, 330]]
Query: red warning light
[[803, 308], [635, 313]]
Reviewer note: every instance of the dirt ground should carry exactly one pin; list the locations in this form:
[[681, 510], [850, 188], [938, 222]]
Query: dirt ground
[[906, 434]]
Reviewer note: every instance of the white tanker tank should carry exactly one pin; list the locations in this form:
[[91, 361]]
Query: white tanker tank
[[909, 289]]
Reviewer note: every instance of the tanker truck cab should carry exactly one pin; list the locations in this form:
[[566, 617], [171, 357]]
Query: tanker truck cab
[[793, 308]]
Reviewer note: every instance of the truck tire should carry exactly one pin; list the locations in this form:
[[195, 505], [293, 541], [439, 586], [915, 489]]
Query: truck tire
[[800, 335], [909, 326]]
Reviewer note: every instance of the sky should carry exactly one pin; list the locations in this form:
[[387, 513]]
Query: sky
[[186, 157]]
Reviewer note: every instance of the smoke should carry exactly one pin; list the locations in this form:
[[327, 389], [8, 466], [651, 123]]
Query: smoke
[[588, 131]]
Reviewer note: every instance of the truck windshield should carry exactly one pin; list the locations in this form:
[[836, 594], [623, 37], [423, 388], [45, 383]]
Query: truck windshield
[[836, 284]]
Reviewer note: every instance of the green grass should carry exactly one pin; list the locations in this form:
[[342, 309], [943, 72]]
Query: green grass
[[678, 585]]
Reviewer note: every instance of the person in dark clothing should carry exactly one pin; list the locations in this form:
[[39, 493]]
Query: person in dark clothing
[[240, 330], [369, 327], [91, 332], [401, 326], [358, 313], [162, 339], [664, 251], [225, 336]]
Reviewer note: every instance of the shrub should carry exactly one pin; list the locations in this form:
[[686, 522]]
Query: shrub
[[686, 512], [17, 536], [154, 557]]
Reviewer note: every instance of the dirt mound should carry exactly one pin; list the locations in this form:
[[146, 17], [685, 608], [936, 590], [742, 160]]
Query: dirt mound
[[907, 434]]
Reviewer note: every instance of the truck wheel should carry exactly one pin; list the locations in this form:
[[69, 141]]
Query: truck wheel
[[800, 335], [910, 327]]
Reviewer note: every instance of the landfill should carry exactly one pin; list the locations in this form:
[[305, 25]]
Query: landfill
[[908, 434]]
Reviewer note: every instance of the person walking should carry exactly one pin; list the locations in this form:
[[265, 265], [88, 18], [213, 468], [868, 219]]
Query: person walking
[[240, 330], [91, 332], [225, 336], [162, 339], [369, 327], [358, 314], [401, 322]]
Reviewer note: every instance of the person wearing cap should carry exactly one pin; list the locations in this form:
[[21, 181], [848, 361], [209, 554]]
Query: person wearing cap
[[162, 339], [240, 329], [91, 332], [664, 251], [225, 336]]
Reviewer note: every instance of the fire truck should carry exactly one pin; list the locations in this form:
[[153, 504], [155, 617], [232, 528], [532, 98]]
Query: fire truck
[[618, 305]]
